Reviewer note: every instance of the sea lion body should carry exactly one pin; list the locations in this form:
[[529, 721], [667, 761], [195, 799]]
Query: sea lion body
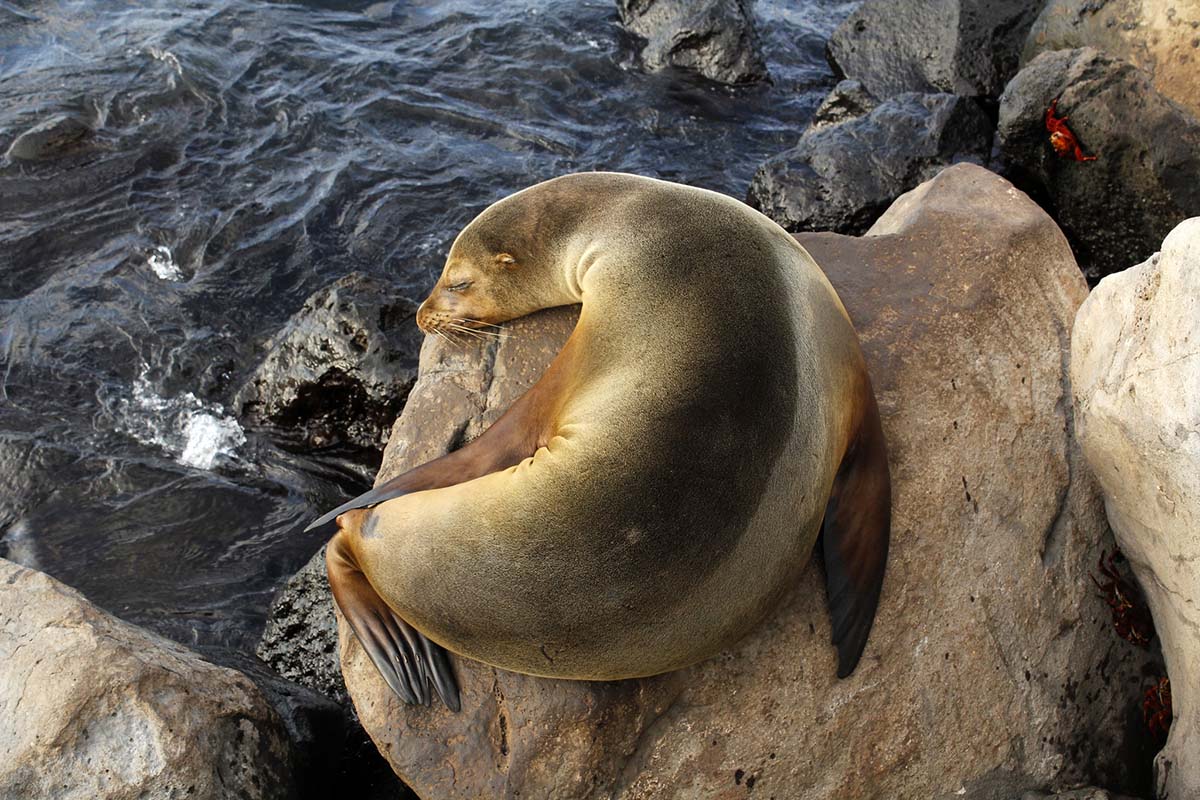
[[682, 449]]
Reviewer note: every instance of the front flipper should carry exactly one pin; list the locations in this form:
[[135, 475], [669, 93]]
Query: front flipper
[[406, 659], [855, 535], [387, 491]]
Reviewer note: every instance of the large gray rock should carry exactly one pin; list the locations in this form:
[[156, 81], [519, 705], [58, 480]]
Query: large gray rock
[[1160, 38], [1135, 371], [1146, 176], [991, 653], [715, 38], [841, 177], [97, 709], [341, 367], [966, 47]]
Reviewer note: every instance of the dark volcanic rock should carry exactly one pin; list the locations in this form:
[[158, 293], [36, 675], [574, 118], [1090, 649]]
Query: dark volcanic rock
[[1146, 179], [340, 369], [300, 638], [848, 100], [842, 177], [715, 38], [966, 47]]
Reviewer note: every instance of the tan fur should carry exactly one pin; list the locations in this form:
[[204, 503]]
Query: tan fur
[[608, 551]]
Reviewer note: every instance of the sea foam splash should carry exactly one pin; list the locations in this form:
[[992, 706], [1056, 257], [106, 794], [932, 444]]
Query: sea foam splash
[[162, 261], [196, 434]]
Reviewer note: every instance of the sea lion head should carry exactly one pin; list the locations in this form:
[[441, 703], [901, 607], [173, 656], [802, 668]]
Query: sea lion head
[[511, 260], [477, 289]]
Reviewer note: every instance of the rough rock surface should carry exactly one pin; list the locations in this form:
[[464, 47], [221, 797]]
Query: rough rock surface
[[966, 47], [848, 100], [991, 652], [1089, 793], [715, 38], [1135, 371], [842, 177], [300, 638], [97, 709], [1161, 38], [1146, 178], [340, 369]]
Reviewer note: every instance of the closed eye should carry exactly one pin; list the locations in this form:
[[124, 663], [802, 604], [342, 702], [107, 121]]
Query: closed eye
[[460, 286]]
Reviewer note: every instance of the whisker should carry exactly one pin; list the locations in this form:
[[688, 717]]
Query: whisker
[[473, 332], [443, 335], [477, 322]]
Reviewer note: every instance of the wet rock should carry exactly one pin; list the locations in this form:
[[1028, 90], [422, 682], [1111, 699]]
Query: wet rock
[[1135, 373], [991, 651], [300, 638], [1146, 176], [715, 38], [845, 101], [100, 709], [340, 369], [1088, 793], [842, 177], [965, 47], [61, 135], [1162, 39]]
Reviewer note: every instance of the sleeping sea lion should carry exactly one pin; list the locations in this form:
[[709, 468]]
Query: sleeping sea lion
[[659, 489]]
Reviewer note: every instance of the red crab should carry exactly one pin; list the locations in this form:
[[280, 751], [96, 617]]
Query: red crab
[[1130, 616], [1061, 138], [1156, 707]]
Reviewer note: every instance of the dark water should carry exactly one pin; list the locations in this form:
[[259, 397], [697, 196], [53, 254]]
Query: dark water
[[233, 158]]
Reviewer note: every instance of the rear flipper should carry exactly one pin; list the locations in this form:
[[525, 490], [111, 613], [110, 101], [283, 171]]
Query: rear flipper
[[855, 536], [407, 660]]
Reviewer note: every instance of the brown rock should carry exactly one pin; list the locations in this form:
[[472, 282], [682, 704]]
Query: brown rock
[[991, 653], [97, 709], [1161, 38]]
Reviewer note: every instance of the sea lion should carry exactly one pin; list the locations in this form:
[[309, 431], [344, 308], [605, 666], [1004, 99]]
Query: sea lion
[[658, 490]]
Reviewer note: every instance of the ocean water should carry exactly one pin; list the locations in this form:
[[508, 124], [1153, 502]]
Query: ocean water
[[208, 165]]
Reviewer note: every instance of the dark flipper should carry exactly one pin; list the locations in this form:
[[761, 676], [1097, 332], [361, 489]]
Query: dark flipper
[[406, 659], [856, 532], [386, 491]]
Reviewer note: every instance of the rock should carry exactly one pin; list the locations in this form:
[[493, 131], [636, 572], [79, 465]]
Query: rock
[[340, 369], [842, 177], [1135, 373], [965, 47], [846, 101], [300, 638], [991, 651], [1162, 39], [1087, 793], [715, 38], [100, 709], [1146, 178]]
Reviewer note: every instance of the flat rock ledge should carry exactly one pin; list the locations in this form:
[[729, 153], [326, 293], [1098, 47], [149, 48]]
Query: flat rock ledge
[[992, 670], [1135, 369], [98, 709]]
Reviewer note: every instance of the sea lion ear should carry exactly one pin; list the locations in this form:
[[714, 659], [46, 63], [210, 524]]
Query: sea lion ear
[[506, 261]]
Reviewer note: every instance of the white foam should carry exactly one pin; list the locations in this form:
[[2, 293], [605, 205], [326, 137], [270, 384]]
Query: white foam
[[162, 261], [194, 433], [21, 545]]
